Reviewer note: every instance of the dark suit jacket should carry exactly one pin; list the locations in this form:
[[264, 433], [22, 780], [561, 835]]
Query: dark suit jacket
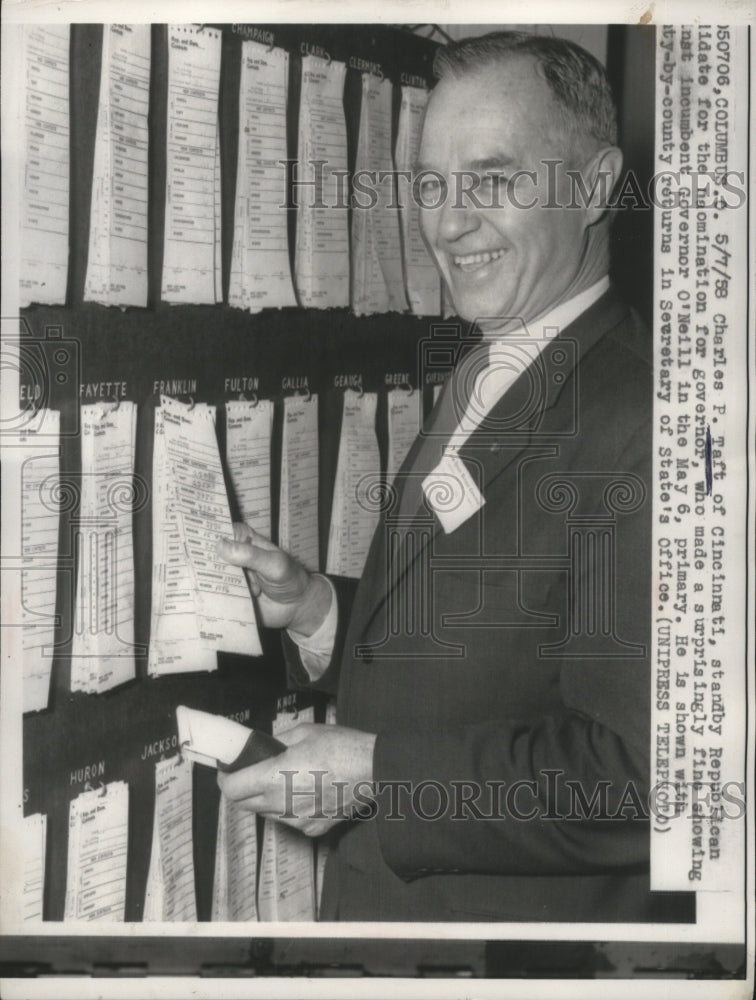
[[514, 649]]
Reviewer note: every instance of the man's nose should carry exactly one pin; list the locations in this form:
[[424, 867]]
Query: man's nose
[[458, 216]]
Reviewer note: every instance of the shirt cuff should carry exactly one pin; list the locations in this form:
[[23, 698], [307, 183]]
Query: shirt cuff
[[316, 650]]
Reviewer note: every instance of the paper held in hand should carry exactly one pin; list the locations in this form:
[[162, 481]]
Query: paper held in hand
[[223, 604], [218, 742]]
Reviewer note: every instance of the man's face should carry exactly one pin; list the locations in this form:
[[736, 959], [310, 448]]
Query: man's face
[[499, 262]]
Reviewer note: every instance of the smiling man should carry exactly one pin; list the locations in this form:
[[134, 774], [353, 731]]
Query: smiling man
[[498, 134], [492, 667]]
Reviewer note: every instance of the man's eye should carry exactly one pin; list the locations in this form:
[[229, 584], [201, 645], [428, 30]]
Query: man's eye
[[431, 191], [495, 180]]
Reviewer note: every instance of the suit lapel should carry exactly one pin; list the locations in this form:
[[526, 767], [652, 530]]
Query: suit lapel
[[535, 405], [544, 400]]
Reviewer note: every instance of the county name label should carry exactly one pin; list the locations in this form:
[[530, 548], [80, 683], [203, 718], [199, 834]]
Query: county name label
[[698, 651]]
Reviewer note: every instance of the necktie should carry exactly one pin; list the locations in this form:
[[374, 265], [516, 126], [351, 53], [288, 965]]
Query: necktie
[[429, 445]]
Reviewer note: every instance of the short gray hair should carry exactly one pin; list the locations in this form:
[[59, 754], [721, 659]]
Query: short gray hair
[[578, 82]]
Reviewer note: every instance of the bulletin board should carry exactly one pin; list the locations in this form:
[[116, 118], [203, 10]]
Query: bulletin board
[[210, 354]]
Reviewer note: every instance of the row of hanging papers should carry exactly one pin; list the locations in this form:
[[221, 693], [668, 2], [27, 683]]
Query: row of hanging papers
[[199, 605], [282, 880], [389, 269]]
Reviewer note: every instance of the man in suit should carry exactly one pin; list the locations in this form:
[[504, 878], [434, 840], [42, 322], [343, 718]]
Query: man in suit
[[492, 667]]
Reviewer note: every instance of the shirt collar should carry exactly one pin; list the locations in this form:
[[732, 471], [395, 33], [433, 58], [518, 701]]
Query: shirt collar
[[560, 317]]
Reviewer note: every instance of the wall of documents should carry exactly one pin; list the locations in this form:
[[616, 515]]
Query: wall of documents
[[201, 343], [207, 166]]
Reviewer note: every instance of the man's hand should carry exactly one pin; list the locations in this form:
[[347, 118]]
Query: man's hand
[[287, 595], [312, 785]]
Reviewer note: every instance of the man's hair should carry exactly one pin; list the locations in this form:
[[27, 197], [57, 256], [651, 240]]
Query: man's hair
[[577, 81]]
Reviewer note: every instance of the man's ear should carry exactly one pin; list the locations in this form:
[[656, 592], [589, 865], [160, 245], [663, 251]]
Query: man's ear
[[600, 175]]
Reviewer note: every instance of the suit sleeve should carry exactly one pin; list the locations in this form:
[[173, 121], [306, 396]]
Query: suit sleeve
[[296, 673], [566, 793]]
